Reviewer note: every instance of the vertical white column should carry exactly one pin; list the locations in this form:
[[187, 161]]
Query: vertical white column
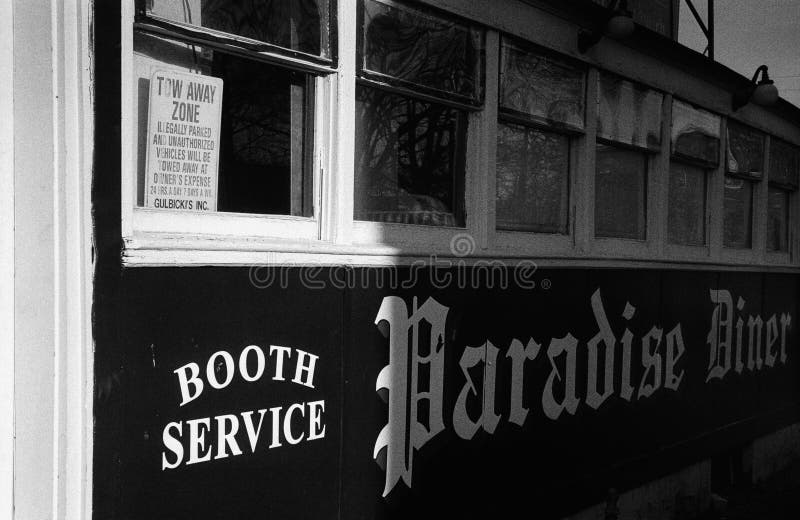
[[340, 180], [584, 171], [48, 188], [6, 260], [715, 216], [73, 137], [485, 178], [34, 253]]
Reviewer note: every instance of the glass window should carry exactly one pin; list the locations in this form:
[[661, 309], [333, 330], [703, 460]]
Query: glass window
[[620, 193], [541, 88], [254, 156], [297, 25], [695, 134], [687, 205], [656, 15], [745, 150], [418, 49], [784, 168], [418, 70], [738, 213], [778, 220], [540, 96], [532, 179], [409, 160], [784, 164], [628, 113]]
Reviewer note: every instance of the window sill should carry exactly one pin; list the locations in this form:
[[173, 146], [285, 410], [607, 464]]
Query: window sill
[[778, 258], [179, 249], [224, 224], [688, 253], [525, 243]]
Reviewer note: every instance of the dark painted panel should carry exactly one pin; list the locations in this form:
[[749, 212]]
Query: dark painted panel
[[560, 463], [172, 317], [780, 301], [472, 451]]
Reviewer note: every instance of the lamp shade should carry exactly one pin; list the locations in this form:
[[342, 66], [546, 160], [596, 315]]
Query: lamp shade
[[619, 26], [765, 93]]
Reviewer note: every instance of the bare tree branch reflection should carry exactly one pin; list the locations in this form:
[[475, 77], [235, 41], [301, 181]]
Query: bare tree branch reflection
[[429, 51], [406, 155]]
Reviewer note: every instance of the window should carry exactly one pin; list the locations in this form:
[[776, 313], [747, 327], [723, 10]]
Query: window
[[784, 168], [419, 77], [695, 141], [225, 121], [620, 187], [777, 220], [656, 15], [628, 130], [541, 103], [300, 26], [695, 134], [409, 160], [744, 168], [687, 205], [738, 213]]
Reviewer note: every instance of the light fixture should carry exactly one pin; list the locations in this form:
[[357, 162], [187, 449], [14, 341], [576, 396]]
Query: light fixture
[[763, 93], [619, 25]]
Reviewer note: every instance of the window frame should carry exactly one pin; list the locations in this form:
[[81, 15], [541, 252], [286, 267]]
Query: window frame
[[220, 39], [615, 247], [436, 240], [402, 87], [755, 253], [713, 177], [144, 228], [706, 172], [550, 243], [793, 210]]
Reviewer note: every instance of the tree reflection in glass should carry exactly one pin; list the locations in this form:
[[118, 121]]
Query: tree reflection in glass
[[540, 87], [620, 190], [686, 206], [409, 160], [745, 150], [421, 49], [738, 213], [532, 180], [300, 25], [784, 163], [777, 220]]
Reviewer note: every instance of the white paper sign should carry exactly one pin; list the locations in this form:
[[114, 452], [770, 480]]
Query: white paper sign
[[183, 141]]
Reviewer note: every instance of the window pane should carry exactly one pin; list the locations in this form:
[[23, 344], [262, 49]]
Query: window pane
[[620, 193], [628, 114], [745, 150], [541, 87], [299, 25], [422, 49], [778, 220], [409, 160], [695, 133], [263, 145], [532, 180], [784, 163], [687, 204], [738, 209], [656, 15]]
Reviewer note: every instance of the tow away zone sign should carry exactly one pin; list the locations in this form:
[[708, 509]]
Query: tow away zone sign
[[183, 141]]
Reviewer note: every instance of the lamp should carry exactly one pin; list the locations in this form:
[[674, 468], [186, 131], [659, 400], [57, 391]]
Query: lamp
[[619, 25], [763, 93]]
